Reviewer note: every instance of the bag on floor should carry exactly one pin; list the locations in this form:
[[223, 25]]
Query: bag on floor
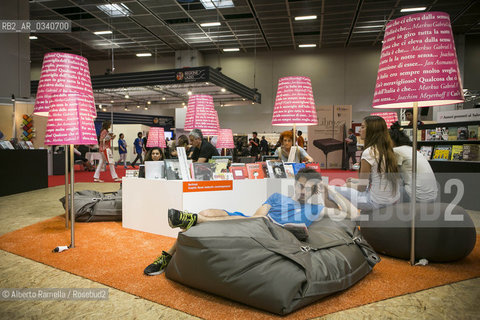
[[93, 206], [259, 263]]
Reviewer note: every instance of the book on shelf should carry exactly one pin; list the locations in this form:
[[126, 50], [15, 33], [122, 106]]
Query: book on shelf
[[172, 169], [473, 132], [239, 171], [457, 152], [30, 145], [452, 133], [462, 133], [254, 171], [442, 133], [297, 166], [266, 174], [314, 165], [184, 164], [289, 170], [223, 176], [221, 165], [426, 151], [203, 171], [471, 152], [276, 169], [442, 152], [430, 135]]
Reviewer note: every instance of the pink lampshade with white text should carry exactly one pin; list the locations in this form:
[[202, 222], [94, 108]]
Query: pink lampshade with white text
[[70, 122], [225, 139], [156, 138], [201, 114], [294, 103], [418, 63], [389, 117], [63, 74]]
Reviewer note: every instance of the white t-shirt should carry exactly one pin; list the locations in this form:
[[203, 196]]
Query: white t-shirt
[[426, 182], [381, 189]]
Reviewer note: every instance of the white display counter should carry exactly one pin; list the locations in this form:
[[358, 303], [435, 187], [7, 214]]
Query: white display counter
[[146, 202]]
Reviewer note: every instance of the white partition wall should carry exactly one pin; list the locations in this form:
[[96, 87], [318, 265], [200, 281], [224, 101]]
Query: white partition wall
[[130, 131], [146, 202]]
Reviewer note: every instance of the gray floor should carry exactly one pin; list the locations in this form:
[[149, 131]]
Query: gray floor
[[455, 301]]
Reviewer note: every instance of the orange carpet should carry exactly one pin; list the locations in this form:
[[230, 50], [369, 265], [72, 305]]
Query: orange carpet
[[107, 253]]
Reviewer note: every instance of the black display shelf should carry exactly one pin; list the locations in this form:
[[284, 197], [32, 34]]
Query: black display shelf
[[447, 142]]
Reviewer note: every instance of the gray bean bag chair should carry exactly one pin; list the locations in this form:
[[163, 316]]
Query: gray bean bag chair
[[257, 262], [443, 232]]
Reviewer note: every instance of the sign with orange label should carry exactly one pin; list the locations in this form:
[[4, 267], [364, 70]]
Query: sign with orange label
[[213, 185]]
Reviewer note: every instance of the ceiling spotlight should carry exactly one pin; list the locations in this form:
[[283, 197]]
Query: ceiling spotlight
[[413, 9], [126, 108], [243, 99], [189, 92], [127, 96], [33, 37], [163, 98], [149, 102], [99, 33], [183, 103], [100, 106], [111, 101], [143, 54], [207, 83], [253, 102], [309, 45], [184, 106], [138, 106], [305, 18], [223, 90], [104, 109], [210, 24], [146, 107], [231, 49]]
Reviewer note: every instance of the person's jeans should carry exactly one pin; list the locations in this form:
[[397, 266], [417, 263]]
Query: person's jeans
[[139, 157], [360, 199]]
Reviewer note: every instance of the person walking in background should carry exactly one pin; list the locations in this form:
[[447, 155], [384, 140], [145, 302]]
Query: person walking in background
[[105, 149], [264, 146], [138, 149], [122, 150], [300, 140], [351, 148], [254, 145]]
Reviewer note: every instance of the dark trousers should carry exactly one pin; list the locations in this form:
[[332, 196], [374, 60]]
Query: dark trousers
[[353, 156], [139, 157]]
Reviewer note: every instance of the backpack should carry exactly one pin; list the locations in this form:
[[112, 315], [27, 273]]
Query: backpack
[[93, 206]]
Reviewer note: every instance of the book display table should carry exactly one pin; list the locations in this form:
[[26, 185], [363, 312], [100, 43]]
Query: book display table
[[146, 202]]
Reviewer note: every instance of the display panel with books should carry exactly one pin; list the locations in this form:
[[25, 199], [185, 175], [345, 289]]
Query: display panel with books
[[442, 152]]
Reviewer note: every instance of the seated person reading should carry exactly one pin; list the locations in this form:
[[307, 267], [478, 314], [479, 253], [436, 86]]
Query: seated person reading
[[308, 204], [283, 152], [154, 154]]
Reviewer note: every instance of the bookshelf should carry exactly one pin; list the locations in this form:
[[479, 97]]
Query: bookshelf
[[463, 175]]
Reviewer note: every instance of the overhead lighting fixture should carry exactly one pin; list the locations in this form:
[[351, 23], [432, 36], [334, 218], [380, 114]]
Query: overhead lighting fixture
[[146, 108], [183, 103], [311, 45], [413, 9], [126, 108], [365, 27], [149, 102], [163, 98], [184, 106], [143, 54], [243, 99], [223, 90], [115, 10], [207, 83], [231, 49], [111, 101], [33, 37], [299, 18], [189, 92], [104, 109], [138, 106], [99, 33], [127, 96], [212, 4], [210, 24], [100, 106]]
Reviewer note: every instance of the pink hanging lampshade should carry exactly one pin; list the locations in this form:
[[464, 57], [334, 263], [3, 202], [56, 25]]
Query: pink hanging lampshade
[[63, 74], [225, 139], [201, 114], [418, 63], [389, 117], [294, 104], [156, 138], [70, 122]]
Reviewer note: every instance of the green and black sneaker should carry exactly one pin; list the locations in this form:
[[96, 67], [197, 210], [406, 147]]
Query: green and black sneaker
[[181, 219], [159, 265]]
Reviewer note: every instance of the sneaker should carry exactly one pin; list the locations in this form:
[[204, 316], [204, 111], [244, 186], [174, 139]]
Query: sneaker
[[356, 166], [182, 219], [159, 265]]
